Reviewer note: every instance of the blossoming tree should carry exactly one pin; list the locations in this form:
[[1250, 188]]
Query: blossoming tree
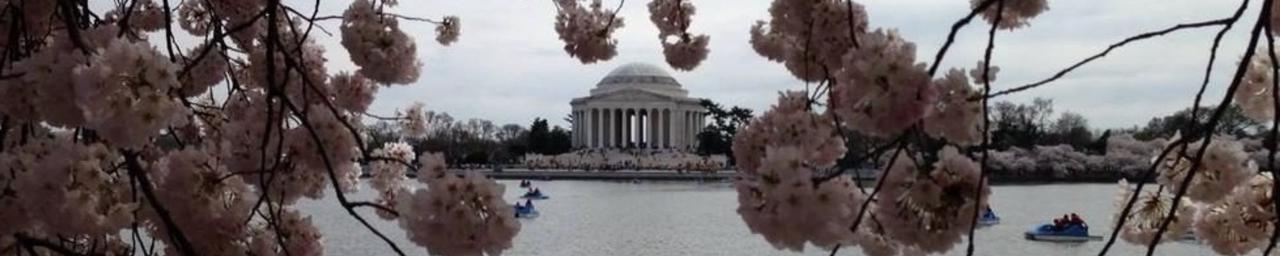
[[111, 131], [115, 131]]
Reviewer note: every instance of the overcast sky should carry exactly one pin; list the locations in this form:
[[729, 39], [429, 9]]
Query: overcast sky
[[509, 65]]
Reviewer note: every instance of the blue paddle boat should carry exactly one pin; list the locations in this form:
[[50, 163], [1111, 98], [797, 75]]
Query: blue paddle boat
[[535, 194], [988, 218], [526, 211], [1069, 233]]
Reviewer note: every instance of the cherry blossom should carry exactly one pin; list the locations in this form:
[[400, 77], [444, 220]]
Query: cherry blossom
[[1224, 165], [881, 90], [353, 92], [809, 37], [955, 117], [1016, 14], [1148, 214], [413, 122], [931, 210], [384, 53], [123, 92], [783, 204], [1241, 222], [788, 123], [683, 51], [448, 30], [1255, 93], [587, 30], [457, 215]]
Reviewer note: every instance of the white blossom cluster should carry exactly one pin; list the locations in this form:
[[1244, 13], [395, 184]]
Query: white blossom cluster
[[1224, 165], [930, 211], [1016, 13], [457, 214], [1148, 214], [376, 43], [207, 149], [587, 30], [882, 90], [684, 51], [1255, 93], [811, 37], [877, 88]]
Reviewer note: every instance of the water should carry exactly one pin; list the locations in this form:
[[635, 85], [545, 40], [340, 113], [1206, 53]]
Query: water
[[688, 218]]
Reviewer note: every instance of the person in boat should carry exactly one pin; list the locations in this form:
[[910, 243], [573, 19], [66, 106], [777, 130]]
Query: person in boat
[[528, 203], [1076, 220], [537, 191], [1059, 224], [988, 213]]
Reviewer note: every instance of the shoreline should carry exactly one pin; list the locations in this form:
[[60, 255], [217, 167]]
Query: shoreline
[[727, 175]]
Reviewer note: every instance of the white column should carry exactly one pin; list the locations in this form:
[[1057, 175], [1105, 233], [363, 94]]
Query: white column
[[691, 133], [586, 123], [577, 131], [626, 127], [656, 138], [654, 135], [641, 121], [595, 127], [606, 140], [678, 128], [666, 128]]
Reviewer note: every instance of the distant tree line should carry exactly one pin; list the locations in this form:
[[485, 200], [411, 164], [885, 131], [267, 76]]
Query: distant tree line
[[478, 142], [1069, 146]]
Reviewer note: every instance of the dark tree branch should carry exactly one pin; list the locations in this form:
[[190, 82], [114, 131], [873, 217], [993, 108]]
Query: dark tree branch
[[179, 238], [986, 126], [951, 37], [1208, 70], [1139, 37], [1213, 122], [1146, 175], [879, 185], [1271, 148]]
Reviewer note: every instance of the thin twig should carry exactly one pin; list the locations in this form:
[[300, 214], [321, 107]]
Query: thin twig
[[884, 175], [1146, 175], [1275, 124], [179, 238], [1139, 37], [951, 37], [1213, 122], [986, 126]]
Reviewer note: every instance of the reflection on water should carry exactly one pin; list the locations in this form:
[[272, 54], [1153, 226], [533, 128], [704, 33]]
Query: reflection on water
[[688, 218]]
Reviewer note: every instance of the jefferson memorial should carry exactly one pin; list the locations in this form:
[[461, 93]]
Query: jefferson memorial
[[637, 105]]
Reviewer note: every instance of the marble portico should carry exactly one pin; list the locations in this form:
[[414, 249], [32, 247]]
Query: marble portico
[[637, 105]]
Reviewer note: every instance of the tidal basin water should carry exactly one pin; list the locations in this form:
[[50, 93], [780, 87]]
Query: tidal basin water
[[691, 218]]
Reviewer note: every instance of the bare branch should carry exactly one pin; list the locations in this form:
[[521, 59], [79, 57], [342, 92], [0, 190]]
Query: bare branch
[[1139, 37]]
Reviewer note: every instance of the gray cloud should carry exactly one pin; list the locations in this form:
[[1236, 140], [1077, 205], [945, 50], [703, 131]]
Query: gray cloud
[[509, 65]]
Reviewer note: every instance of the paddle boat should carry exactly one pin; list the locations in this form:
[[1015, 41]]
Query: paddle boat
[[1069, 233], [988, 218], [534, 194], [526, 211]]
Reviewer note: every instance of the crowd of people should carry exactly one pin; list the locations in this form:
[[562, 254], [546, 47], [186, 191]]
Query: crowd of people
[[627, 159]]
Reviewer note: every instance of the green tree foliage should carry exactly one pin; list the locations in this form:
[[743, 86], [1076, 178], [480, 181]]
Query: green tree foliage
[[717, 137], [477, 142], [1233, 123], [547, 141]]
